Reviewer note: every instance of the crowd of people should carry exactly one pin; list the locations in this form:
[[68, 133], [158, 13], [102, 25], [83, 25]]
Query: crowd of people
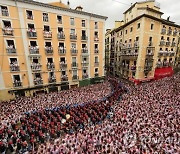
[[145, 120], [110, 117], [19, 131]]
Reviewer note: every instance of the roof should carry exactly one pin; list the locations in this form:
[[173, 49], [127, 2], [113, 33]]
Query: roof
[[58, 4], [137, 3], [150, 9], [163, 21], [62, 8]]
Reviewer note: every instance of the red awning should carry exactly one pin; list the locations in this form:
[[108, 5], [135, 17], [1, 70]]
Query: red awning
[[163, 72]]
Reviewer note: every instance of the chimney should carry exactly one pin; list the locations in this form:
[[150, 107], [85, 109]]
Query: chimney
[[68, 3]]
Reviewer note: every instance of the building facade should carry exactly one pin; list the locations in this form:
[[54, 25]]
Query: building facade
[[48, 47], [145, 46]]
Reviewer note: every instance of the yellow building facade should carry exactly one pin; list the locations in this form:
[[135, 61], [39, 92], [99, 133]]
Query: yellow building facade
[[48, 47], [144, 43]]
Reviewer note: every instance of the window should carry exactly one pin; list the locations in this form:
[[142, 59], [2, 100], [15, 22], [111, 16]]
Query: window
[[137, 38], [60, 29], [29, 14], [150, 41], [48, 44], [74, 72], [96, 60], [63, 60], [63, 73], [131, 29], [74, 59], [50, 60], [59, 19], [4, 11], [72, 21], [46, 28], [31, 26], [10, 44], [126, 31], [96, 34], [152, 26], [73, 45], [83, 33], [83, 23], [6, 23], [16, 80], [72, 31], [96, 70], [96, 46], [96, 25], [45, 17], [33, 43], [138, 26]]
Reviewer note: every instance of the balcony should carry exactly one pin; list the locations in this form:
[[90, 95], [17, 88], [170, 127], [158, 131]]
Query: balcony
[[4, 12], [85, 76], [64, 78], [96, 64], [8, 31], [14, 68], [32, 34], [171, 63], [169, 32], [168, 43], [149, 53], [75, 77], [36, 66], [73, 36], [171, 53], [166, 53], [132, 53], [136, 44], [159, 64], [62, 51], [96, 74], [47, 34], [63, 66], [11, 50], [74, 65], [175, 33], [129, 46], [38, 81], [160, 53], [52, 80], [96, 38], [162, 43], [34, 50], [74, 51], [85, 64], [165, 64], [49, 50], [163, 31], [17, 84], [96, 51], [84, 38], [50, 66], [173, 44], [84, 51], [61, 35]]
